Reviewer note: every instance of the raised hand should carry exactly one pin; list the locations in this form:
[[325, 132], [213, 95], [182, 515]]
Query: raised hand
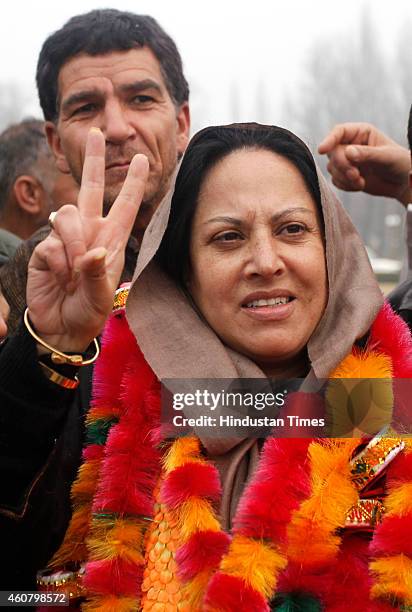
[[74, 273], [361, 158]]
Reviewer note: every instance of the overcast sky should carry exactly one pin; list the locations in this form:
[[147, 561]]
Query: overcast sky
[[229, 47]]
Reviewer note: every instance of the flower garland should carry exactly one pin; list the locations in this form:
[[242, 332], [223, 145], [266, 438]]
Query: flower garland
[[113, 494], [289, 543]]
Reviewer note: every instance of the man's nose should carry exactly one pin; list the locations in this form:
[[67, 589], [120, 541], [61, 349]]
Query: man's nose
[[117, 127]]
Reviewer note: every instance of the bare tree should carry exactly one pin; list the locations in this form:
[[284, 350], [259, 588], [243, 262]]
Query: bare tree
[[403, 60], [350, 79]]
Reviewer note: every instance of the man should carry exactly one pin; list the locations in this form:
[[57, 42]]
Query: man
[[121, 73], [361, 158], [30, 184]]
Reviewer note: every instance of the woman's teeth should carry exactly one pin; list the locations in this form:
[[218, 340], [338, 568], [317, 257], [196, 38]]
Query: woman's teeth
[[271, 302]]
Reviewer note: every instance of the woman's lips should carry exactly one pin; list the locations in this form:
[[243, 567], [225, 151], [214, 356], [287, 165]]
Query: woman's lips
[[271, 313]]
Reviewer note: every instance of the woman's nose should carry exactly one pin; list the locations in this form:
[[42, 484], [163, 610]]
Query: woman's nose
[[265, 258]]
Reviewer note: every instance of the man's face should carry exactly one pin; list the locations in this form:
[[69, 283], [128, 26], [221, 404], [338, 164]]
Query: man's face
[[64, 190], [124, 94], [57, 188]]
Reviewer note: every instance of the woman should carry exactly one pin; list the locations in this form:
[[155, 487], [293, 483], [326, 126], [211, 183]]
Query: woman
[[257, 273]]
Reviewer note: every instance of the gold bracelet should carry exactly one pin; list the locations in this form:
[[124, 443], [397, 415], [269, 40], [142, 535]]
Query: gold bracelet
[[62, 381], [57, 356]]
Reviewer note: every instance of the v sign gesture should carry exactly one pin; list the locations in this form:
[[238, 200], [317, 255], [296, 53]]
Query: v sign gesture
[[74, 272]]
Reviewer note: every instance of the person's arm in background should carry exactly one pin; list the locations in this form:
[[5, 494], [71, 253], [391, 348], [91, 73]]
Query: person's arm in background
[[362, 158]]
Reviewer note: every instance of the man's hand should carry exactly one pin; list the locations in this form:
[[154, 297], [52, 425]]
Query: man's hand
[[74, 272], [361, 158]]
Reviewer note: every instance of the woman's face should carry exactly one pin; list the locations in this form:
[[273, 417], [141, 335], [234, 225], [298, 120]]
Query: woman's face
[[258, 271]]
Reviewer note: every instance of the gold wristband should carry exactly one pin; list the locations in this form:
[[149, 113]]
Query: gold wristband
[[57, 356], [62, 381]]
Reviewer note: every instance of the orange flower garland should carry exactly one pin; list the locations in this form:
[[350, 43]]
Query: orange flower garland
[[289, 537]]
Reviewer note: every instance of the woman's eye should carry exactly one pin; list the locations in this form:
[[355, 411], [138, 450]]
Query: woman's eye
[[228, 237], [293, 228]]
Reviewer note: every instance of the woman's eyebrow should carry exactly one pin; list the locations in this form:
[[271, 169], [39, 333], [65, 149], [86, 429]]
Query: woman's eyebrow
[[291, 211], [231, 220], [276, 217]]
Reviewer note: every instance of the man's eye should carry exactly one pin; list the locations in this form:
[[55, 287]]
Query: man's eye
[[142, 99], [293, 229], [85, 108]]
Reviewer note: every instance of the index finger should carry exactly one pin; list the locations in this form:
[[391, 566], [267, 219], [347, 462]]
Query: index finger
[[90, 200], [127, 204], [344, 133]]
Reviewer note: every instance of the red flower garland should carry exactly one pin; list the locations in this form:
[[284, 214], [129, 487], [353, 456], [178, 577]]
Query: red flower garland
[[262, 557]]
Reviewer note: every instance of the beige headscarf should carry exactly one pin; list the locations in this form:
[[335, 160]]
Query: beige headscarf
[[178, 344]]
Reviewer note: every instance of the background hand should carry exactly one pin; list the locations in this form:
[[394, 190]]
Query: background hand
[[361, 158], [75, 271]]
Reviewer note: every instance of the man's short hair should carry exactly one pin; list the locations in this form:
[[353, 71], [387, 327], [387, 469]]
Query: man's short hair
[[103, 31], [410, 130], [22, 145]]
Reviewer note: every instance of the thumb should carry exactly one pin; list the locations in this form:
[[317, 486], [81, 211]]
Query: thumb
[[359, 154]]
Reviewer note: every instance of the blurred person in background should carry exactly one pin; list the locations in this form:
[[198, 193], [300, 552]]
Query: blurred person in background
[[31, 186]]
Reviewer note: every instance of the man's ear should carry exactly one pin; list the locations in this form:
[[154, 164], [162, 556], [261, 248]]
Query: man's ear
[[182, 128], [54, 142], [29, 194]]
